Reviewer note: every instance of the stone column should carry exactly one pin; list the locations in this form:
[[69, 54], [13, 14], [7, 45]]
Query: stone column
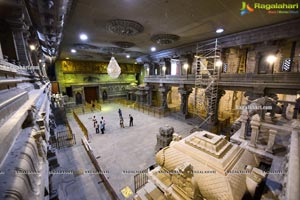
[[284, 107], [184, 93], [293, 181], [143, 98], [296, 109], [137, 96], [148, 89], [244, 117], [271, 141], [163, 89], [255, 123]]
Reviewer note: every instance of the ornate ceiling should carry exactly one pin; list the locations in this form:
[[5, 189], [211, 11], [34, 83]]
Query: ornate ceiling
[[131, 27]]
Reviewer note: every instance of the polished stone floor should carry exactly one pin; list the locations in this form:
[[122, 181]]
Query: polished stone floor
[[123, 151]]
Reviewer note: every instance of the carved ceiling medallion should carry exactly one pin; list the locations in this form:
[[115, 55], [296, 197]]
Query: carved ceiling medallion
[[124, 27], [164, 39]]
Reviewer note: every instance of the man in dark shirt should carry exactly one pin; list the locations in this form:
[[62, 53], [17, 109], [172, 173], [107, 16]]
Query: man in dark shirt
[[130, 120]]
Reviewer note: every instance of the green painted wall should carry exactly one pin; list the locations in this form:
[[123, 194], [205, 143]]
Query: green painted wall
[[93, 75]]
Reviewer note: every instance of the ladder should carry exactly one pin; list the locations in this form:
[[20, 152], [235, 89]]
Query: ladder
[[242, 63], [206, 78]]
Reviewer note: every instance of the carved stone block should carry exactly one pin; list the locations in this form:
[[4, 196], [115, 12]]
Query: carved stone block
[[164, 137]]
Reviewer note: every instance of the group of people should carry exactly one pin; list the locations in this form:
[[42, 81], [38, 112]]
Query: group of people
[[101, 125], [98, 126], [122, 119]]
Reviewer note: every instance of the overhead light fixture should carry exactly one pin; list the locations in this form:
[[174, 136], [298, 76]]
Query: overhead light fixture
[[128, 56], [271, 59], [32, 47], [113, 68], [219, 63], [220, 30], [67, 58], [83, 36], [73, 51], [153, 49]]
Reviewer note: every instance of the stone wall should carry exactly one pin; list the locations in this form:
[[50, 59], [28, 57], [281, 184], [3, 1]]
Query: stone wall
[[257, 54]]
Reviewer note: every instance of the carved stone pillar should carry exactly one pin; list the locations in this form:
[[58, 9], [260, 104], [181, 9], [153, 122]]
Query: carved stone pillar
[[293, 181], [283, 111], [141, 94], [184, 93], [255, 123], [296, 109], [271, 141], [148, 89], [137, 96], [244, 117], [163, 89]]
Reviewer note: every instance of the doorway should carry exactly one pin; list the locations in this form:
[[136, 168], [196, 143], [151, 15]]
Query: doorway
[[91, 94]]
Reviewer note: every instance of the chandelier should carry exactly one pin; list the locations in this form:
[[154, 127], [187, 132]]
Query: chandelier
[[113, 68]]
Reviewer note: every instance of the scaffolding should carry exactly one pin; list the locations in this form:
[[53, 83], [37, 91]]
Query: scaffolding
[[208, 61]]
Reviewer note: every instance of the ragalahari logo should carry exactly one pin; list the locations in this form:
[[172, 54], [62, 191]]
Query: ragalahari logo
[[246, 8]]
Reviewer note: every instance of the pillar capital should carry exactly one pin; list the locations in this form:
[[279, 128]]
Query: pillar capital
[[185, 90]]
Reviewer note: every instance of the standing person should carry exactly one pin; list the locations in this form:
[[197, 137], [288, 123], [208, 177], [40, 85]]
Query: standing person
[[120, 113], [97, 128], [101, 127], [130, 120], [95, 121], [103, 122], [122, 122]]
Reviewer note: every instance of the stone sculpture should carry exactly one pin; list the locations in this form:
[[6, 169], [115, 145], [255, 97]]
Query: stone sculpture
[[164, 137]]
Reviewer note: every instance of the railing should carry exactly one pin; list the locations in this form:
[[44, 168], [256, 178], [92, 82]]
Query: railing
[[140, 179], [107, 185], [83, 128], [154, 111]]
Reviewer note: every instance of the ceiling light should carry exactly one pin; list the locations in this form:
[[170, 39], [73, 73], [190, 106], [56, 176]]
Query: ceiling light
[[271, 59], [153, 49], [219, 63], [83, 36], [40, 60], [73, 51], [220, 30], [127, 56], [67, 58], [32, 47]]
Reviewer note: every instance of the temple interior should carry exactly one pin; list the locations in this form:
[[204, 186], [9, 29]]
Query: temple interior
[[149, 100]]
